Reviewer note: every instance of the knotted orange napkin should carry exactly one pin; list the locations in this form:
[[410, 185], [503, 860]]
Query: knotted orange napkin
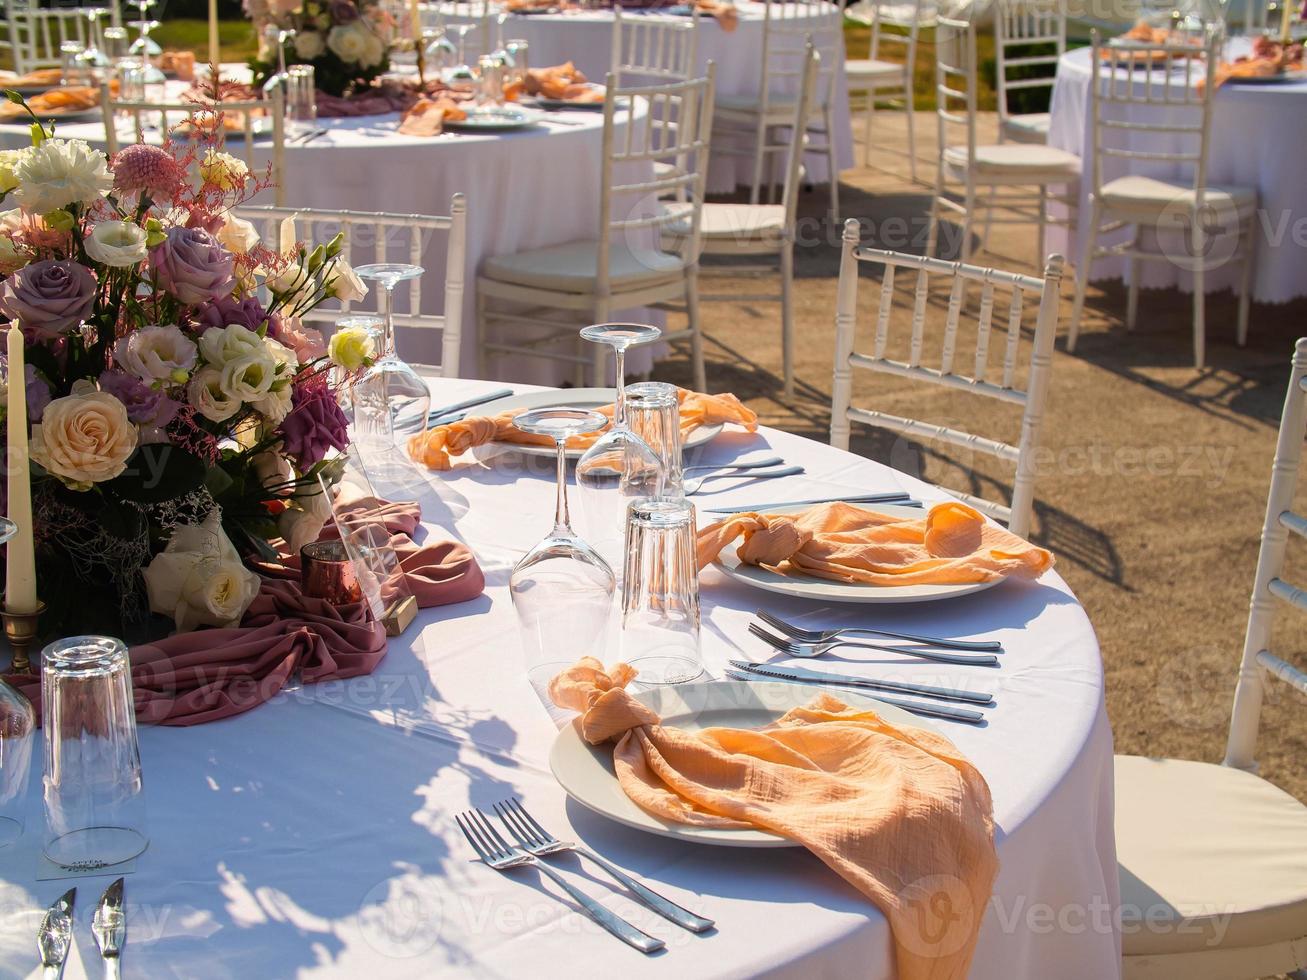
[[562, 82], [436, 448], [427, 116], [896, 812], [951, 545], [724, 13]]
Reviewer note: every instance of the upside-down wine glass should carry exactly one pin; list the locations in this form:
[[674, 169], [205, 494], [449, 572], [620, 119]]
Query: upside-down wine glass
[[620, 467], [462, 73], [392, 399], [562, 588]]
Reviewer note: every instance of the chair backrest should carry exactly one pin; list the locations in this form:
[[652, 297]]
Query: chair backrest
[[955, 82], [904, 17], [382, 237], [1269, 588], [32, 35], [788, 27], [1024, 33], [799, 137], [648, 49], [644, 126], [1157, 121], [243, 119], [972, 375]]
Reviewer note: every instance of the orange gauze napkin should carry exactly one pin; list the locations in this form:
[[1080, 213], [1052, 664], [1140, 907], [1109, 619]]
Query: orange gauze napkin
[[898, 813], [724, 13], [951, 545], [427, 117], [436, 448]]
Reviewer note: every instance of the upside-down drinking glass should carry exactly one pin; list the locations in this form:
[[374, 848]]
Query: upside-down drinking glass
[[562, 588], [653, 411], [391, 399], [660, 593], [94, 795], [620, 466]]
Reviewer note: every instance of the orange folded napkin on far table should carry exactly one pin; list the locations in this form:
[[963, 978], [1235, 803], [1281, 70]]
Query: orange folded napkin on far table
[[897, 812], [724, 13], [561, 82], [953, 544], [427, 117], [438, 447]]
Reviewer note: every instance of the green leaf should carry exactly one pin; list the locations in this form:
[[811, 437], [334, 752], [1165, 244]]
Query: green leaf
[[157, 472]]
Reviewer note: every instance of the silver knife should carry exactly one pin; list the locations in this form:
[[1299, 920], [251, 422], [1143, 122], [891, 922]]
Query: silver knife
[[899, 499], [844, 680], [109, 927], [492, 396], [55, 937], [946, 711]]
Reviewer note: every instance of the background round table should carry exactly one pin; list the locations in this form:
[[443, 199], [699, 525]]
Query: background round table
[[314, 837], [585, 38], [1257, 140]]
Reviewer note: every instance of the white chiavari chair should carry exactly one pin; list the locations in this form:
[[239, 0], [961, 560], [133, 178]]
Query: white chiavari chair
[[888, 71], [545, 294], [1004, 294], [32, 34], [1029, 38], [1157, 125], [762, 230], [1213, 858], [757, 117], [381, 237], [1008, 182], [244, 123], [648, 49]]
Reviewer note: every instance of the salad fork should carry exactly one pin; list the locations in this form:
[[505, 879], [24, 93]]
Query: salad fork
[[498, 854], [534, 839], [824, 636], [801, 648]]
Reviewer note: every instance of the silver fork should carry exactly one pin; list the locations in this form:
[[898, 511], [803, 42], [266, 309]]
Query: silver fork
[[497, 853], [694, 486], [536, 840], [756, 464], [803, 648], [823, 636]]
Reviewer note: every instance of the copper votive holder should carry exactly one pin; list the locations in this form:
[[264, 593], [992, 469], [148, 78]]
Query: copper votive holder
[[20, 631], [327, 573]]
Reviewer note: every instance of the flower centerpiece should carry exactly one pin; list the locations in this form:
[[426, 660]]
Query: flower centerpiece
[[181, 413], [346, 41]]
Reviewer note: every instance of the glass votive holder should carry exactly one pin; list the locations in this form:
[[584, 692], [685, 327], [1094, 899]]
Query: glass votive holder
[[327, 572], [660, 593]]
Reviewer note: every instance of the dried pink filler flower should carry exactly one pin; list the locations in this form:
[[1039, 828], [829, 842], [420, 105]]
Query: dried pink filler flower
[[147, 169]]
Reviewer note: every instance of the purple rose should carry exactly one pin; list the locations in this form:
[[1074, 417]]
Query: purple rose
[[314, 425], [145, 406], [38, 393], [192, 265], [226, 310], [49, 297], [343, 11]]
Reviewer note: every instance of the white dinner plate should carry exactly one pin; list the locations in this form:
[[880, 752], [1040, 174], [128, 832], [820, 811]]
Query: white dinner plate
[[1283, 78], [574, 398], [829, 591], [494, 118], [77, 115], [545, 103], [586, 771]]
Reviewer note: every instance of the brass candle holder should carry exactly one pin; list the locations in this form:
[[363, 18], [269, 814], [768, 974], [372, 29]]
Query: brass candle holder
[[20, 630]]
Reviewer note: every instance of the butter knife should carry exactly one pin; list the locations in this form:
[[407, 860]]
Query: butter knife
[[875, 684], [109, 927], [55, 937], [946, 711]]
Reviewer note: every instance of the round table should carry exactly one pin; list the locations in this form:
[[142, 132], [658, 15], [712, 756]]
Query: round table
[[1256, 141], [585, 38], [525, 189], [313, 836]]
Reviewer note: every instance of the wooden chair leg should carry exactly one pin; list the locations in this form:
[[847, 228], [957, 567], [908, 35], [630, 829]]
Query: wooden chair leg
[[696, 330], [759, 152], [912, 137], [1245, 288], [866, 130], [787, 317], [1132, 295], [1082, 278]]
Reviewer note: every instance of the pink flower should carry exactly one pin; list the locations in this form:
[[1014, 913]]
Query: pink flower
[[147, 170], [307, 342]]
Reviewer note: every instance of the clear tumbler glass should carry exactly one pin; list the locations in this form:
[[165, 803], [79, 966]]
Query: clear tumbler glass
[[94, 795], [660, 593], [653, 411]]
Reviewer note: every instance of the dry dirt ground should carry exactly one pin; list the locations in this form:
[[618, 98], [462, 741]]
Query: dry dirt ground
[[1153, 486]]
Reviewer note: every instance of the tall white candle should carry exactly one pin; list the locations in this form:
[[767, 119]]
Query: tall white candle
[[213, 34], [20, 568]]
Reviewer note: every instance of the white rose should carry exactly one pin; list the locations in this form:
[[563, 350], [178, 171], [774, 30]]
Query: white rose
[[160, 353], [224, 171], [272, 468], [84, 438], [345, 284], [355, 43], [198, 579], [206, 393], [120, 244], [237, 235], [220, 345], [309, 45], [276, 404], [59, 173]]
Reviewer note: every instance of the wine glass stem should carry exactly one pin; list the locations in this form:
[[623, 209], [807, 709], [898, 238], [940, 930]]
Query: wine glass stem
[[619, 408], [388, 321], [562, 519]]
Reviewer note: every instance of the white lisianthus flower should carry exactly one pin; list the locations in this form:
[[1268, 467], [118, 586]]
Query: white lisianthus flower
[[276, 404], [206, 393], [345, 284], [59, 173], [84, 438], [351, 348], [356, 43], [218, 346], [120, 244], [272, 468], [303, 525], [161, 353], [309, 45], [248, 378], [224, 171], [237, 235], [8, 163], [294, 283], [198, 579]]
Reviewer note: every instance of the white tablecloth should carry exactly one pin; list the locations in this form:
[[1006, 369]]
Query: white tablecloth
[[314, 836], [1257, 141], [585, 38]]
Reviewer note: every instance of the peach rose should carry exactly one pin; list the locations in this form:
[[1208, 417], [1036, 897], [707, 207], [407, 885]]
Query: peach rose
[[84, 439]]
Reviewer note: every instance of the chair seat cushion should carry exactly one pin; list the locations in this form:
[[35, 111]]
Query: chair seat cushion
[[572, 267], [873, 69], [739, 222], [1029, 127], [1016, 160], [1152, 195], [1209, 856]]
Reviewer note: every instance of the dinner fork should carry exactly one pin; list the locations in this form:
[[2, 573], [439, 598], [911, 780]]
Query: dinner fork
[[694, 486], [948, 712], [755, 464], [823, 636], [498, 854], [536, 840], [802, 648]]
